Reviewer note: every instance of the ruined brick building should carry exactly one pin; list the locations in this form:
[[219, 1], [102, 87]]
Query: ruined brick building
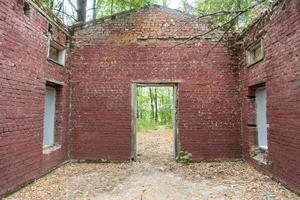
[[87, 75]]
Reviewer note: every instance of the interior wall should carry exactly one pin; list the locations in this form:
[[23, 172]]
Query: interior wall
[[280, 72], [24, 71], [109, 55]]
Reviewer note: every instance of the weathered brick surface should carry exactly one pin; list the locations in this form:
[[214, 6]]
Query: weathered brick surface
[[23, 74], [280, 71], [110, 55]]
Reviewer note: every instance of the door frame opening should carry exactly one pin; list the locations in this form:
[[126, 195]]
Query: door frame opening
[[134, 87]]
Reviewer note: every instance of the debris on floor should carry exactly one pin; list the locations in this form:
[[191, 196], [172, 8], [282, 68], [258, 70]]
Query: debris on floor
[[155, 176]]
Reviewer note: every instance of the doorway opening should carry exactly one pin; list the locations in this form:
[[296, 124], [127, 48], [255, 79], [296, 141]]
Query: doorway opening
[[154, 121]]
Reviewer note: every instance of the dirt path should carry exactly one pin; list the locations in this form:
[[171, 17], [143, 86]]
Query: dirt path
[[155, 146], [155, 176]]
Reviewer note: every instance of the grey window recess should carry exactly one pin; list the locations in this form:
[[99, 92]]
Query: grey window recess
[[49, 117], [255, 52], [261, 117], [56, 52]]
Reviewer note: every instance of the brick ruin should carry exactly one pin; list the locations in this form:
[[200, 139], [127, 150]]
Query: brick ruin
[[216, 104]]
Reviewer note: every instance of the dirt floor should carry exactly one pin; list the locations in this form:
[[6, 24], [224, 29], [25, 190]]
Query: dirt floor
[[155, 176]]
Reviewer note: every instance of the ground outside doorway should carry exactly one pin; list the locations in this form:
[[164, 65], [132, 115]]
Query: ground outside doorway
[[155, 175]]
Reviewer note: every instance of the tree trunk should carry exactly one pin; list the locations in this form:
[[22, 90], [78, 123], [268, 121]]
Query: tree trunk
[[112, 7], [137, 104], [184, 6], [238, 7], [155, 102], [162, 114], [151, 102], [164, 2], [51, 4], [94, 9], [170, 104], [81, 10]]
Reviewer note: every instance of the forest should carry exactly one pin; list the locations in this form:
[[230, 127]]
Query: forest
[[235, 14], [154, 106], [230, 17]]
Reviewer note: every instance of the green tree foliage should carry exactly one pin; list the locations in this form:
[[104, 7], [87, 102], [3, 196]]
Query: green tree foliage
[[154, 107], [70, 10], [206, 7], [109, 7]]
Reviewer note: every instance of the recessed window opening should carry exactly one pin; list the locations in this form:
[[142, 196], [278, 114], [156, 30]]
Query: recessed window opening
[[49, 116], [261, 117], [155, 121], [56, 53], [255, 53]]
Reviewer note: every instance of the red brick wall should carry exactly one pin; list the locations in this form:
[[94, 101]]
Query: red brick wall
[[109, 56], [280, 71], [23, 74]]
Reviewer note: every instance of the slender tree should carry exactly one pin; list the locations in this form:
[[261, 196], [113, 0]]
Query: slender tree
[[155, 103], [94, 9], [151, 103], [164, 2], [81, 10], [137, 104]]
